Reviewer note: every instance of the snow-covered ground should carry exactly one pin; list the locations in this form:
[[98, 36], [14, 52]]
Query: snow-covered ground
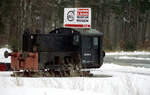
[[134, 58], [114, 80], [129, 53]]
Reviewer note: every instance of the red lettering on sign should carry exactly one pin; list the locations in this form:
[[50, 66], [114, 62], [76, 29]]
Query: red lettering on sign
[[83, 12]]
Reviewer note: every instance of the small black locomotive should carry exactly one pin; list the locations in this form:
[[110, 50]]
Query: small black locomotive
[[59, 50]]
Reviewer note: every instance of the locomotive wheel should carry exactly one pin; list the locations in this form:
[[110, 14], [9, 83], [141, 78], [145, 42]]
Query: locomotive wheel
[[76, 58], [77, 61]]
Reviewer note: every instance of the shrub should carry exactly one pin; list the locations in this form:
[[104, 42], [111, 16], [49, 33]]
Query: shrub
[[130, 46]]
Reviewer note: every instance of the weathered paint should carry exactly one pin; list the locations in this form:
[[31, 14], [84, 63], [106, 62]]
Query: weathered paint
[[20, 63]]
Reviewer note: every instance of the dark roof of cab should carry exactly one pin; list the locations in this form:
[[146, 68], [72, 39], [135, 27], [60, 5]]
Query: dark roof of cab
[[87, 32]]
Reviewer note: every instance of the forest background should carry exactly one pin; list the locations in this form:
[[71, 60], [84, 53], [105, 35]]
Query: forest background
[[125, 23]]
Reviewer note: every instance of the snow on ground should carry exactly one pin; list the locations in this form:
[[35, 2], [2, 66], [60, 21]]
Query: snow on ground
[[134, 58], [121, 80], [44, 91], [129, 53], [2, 58], [116, 80]]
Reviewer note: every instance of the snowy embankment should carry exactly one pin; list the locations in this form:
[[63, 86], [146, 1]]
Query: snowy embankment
[[134, 58], [129, 53], [122, 80]]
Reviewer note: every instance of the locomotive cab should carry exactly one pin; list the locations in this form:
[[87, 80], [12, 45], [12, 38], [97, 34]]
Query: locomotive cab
[[91, 44]]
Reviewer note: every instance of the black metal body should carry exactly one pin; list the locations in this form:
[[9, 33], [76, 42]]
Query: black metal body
[[65, 42]]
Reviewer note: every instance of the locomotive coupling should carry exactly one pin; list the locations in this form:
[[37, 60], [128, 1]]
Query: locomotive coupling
[[22, 55]]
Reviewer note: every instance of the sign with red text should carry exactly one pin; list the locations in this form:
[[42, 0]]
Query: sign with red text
[[77, 17]]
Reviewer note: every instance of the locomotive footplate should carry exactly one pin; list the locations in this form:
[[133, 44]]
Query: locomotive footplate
[[51, 73]]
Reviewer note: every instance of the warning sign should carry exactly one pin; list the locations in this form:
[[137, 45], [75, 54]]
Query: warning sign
[[77, 17]]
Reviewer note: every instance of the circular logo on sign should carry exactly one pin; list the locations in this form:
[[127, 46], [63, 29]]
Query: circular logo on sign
[[70, 16]]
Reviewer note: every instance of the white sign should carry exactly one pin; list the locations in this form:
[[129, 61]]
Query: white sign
[[77, 17]]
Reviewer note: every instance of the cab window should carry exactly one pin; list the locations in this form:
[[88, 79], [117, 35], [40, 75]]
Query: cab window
[[95, 42], [76, 40]]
